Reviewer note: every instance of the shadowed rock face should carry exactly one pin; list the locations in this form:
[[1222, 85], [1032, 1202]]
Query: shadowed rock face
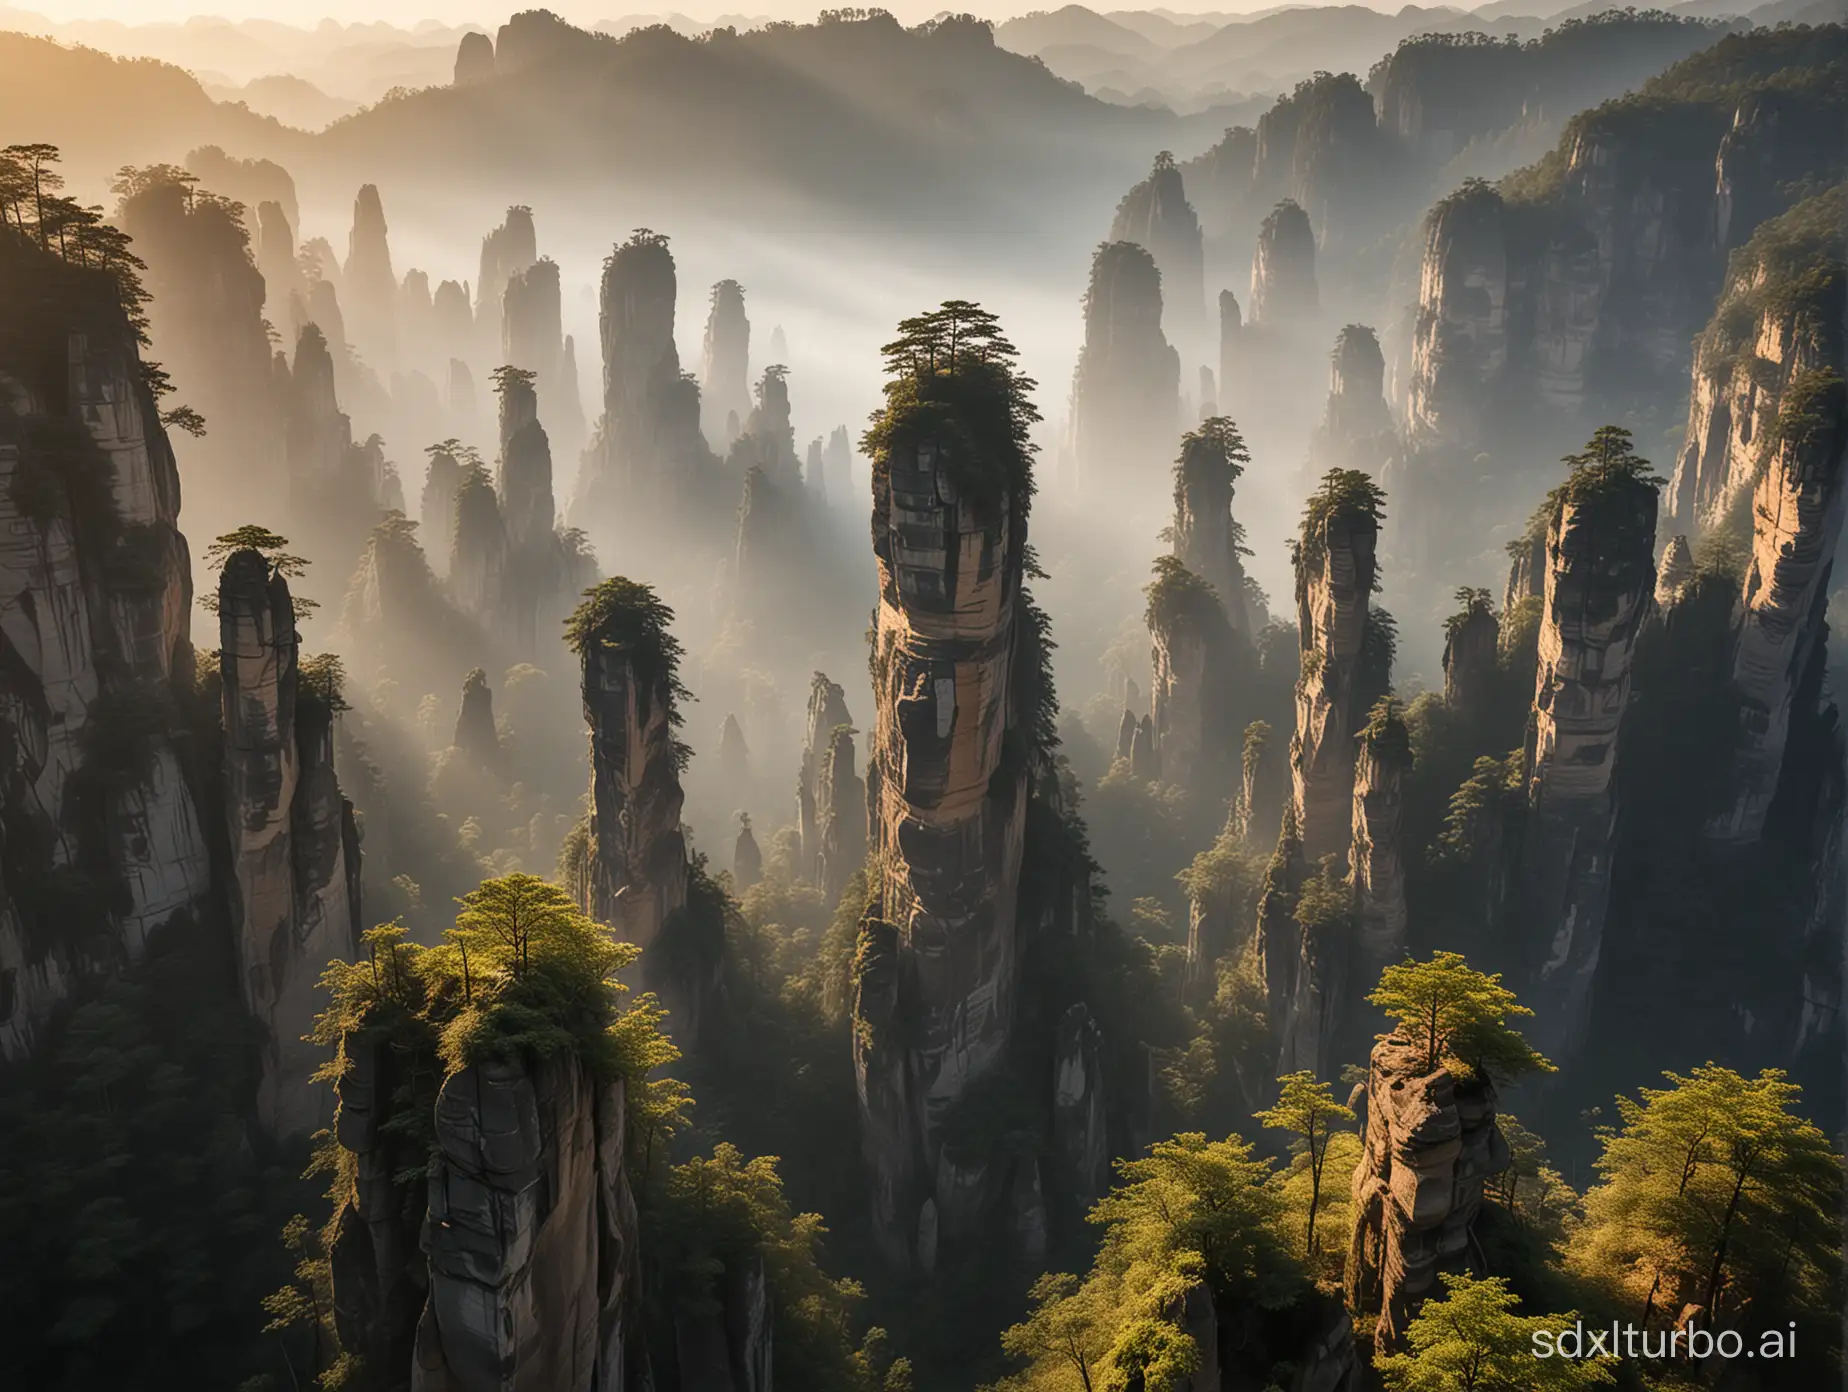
[[474, 59], [1461, 345], [437, 506], [294, 843], [275, 252], [1472, 645], [1431, 1143], [370, 285], [478, 560], [524, 483], [452, 320], [1335, 569], [1779, 628], [532, 325], [1194, 680], [1600, 584], [725, 364], [1126, 392], [1376, 859], [1156, 215], [1356, 430], [85, 645], [837, 465], [475, 734], [1279, 936], [1283, 290], [747, 859], [842, 814]]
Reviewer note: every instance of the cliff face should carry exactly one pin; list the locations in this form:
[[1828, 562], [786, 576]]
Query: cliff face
[[725, 364], [103, 836], [524, 483], [1156, 215], [1195, 680], [1778, 319], [1431, 1143], [1207, 541], [842, 814], [478, 551], [1600, 584], [939, 955], [1472, 645], [527, 1281], [505, 252], [294, 843], [1126, 392], [1376, 860], [1335, 574], [437, 504], [648, 441], [1460, 348], [1283, 288], [1797, 510]]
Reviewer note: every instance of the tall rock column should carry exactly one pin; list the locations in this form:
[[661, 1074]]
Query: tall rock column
[[1797, 511], [1431, 1143], [1126, 391], [827, 712], [1283, 287], [1356, 430], [294, 844], [1156, 214], [1190, 653], [939, 956], [1600, 585], [1376, 860], [842, 815], [370, 287], [634, 872], [524, 484], [505, 252], [1335, 578], [725, 364], [1206, 538]]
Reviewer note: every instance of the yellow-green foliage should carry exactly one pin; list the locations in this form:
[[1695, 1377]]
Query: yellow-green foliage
[[1472, 1340], [1307, 1110], [1192, 1211], [1715, 1192], [1457, 1016]]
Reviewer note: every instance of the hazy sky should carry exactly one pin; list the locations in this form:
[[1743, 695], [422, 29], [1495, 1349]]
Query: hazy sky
[[408, 12]]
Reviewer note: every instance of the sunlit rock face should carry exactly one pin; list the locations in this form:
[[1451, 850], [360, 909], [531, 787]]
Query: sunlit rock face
[[1335, 571], [294, 843], [1600, 586], [725, 364], [1156, 215], [95, 594], [1431, 1144], [939, 957], [370, 287], [1283, 285], [1779, 628], [507, 251], [1376, 859], [1126, 392], [1461, 336], [648, 443], [1778, 320], [1357, 429]]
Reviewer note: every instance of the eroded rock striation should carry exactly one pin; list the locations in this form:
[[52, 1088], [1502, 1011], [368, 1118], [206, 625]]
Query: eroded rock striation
[[1600, 586], [1431, 1143], [293, 839], [1336, 572]]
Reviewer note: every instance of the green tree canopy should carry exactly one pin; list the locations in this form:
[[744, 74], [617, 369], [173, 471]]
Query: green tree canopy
[[1472, 1340], [1307, 1110], [1457, 1016]]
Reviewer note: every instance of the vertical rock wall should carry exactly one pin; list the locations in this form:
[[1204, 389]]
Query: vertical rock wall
[[1283, 284], [1156, 215], [1126, 391], [725, 363]]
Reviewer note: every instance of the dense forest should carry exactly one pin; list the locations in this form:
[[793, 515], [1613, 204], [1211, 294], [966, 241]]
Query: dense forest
[[503, 887]]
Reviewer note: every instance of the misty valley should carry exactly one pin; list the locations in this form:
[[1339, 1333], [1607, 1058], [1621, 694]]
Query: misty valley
[[1082, 702]]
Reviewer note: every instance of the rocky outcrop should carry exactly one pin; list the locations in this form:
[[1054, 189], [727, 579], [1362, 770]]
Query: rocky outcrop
[[1080, 1117], [1673, 572], [1779, 319], [294, 843], [478, 551], [1144, 752], [1264, 783], [1336, 570], [734, 753], [370, 286], [827, 712], [1461, 340], [939, 954], [103, 839], [505, 252], [841, 812], [814, 477], [1207, 541], [474, 59], [725, 364], [634, 876], [1376, 859], [1126, 392], [1193, 687], [1780, 627], [1472, 648], [442, 485], [647, 445], [1279, 938], [1431, 1142], [1283, 285], [1231, 348], [837, 466], [475, 734], [1156, 215], [1356, 430], [524, 483], [1600, 584], [275, 255], [532, 323], [747, 859]]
